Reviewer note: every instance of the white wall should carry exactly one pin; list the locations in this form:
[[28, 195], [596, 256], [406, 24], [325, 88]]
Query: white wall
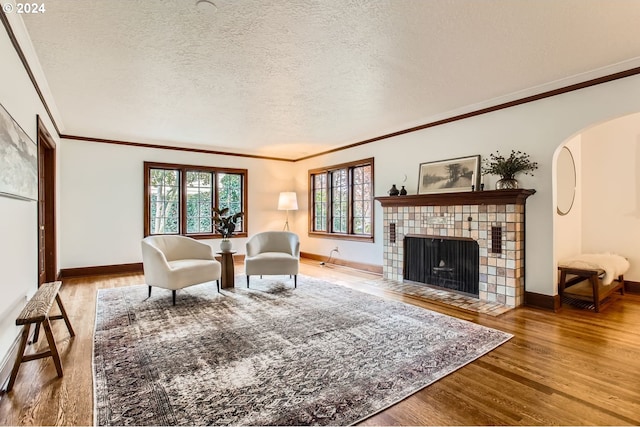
[[611, 186], [101, 198], [568, 228], [538, 128], [18, 227]]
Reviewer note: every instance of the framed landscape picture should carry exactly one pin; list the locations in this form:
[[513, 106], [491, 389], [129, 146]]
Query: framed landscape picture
[[448, 176], [18, 160]]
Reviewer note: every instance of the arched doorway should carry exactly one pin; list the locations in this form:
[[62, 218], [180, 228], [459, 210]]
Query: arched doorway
[[604, 215]]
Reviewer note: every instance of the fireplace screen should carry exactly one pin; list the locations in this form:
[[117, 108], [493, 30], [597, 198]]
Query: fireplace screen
[[446, 263]]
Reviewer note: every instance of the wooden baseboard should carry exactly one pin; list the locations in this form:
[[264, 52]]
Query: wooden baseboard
[[371, 268], [100, 270], [106, 270], [632, 287], [8, 361], [545, 302]]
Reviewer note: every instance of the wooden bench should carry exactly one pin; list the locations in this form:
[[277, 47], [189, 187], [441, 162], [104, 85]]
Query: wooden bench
[[37, 312], [585, 285]]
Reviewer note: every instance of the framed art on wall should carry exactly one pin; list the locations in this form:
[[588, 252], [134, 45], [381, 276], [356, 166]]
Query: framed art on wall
[[18, 160], [447, 176]]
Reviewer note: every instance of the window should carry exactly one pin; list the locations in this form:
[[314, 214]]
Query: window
[[341, 201], [179, 198]]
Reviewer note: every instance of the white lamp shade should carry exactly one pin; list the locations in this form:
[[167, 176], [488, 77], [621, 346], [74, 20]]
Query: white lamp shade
[[288, 201]]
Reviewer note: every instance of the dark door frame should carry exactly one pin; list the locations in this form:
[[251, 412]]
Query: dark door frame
[[46, 205]]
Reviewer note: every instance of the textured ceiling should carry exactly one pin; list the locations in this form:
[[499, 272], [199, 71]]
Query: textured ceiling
[[294, 78]]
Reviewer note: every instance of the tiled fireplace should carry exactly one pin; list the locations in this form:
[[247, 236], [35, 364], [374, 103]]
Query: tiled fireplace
[[494, 219]]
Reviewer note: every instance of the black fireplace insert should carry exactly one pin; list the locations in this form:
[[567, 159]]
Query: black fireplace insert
[[451, 263]]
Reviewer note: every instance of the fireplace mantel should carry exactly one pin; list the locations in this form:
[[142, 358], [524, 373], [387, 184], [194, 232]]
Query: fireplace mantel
[[490, 197]]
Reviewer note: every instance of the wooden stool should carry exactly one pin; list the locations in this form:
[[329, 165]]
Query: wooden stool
[[37, 311]]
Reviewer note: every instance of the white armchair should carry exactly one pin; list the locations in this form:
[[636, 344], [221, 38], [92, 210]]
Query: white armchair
[[175, 262], [273, 252]]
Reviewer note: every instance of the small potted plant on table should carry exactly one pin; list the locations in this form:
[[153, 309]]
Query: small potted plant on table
[[225, 225]]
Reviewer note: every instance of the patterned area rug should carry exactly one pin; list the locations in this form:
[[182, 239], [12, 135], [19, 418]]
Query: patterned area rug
[[270, 355]]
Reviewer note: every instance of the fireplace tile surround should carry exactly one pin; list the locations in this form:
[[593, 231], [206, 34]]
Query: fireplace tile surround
[[472, 215]]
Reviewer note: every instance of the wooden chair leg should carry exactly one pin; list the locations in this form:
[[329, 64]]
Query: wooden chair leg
[[218, 285], [173, 294], [64, 316], [52, 346], [621, 280], [562, 282], [36, 334], [149, 291], [16, 365], [295, 280], [247, 281], [596, 292]]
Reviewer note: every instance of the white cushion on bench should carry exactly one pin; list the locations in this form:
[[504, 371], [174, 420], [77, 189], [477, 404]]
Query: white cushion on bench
[[613, 265]]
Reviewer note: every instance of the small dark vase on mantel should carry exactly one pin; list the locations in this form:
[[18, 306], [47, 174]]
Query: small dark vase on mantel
[[393, 191], [403, 192]]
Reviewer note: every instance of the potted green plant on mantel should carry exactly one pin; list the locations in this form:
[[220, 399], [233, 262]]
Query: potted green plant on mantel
[[508, 167], [225, 225]]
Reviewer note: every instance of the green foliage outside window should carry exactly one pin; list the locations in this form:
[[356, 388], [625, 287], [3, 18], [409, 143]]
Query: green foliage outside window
[[202, 187], [165, 189], [230, 194], [320, 202]]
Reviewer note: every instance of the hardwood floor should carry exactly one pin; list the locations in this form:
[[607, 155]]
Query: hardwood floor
[[574, 367]]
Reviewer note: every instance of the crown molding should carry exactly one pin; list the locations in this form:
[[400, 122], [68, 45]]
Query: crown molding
[[477, 112], [168, 147]]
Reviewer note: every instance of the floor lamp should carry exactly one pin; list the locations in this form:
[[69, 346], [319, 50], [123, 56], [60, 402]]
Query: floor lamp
[[287, 202]]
